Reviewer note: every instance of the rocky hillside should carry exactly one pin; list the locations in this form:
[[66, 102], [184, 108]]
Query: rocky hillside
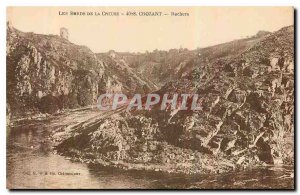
[[161, 67], [47, 73], [246, 91], [247, 101], [126, 74]]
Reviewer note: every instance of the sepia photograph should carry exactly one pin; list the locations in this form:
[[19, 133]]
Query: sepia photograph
[[150, 98]]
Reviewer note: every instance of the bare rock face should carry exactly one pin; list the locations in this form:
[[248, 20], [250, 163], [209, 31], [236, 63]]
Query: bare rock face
[[245, 87], [247, 111], [47, 73], [254, 114], [246, 117]]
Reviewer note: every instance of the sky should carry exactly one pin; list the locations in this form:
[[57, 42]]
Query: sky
[[205, 26]]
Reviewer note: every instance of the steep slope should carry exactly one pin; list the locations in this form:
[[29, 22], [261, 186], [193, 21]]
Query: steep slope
[[247, 103], [130, 78], [47, 73], [161, 67], [246, 117]]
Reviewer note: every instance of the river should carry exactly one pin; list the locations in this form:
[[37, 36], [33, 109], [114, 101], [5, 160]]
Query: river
[[32, 164]]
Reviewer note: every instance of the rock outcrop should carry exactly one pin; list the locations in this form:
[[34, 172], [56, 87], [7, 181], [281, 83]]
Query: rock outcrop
[[246, 117], [48, 73]]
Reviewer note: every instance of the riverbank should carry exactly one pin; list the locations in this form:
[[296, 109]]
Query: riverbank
[[179, 171], [129, 142]]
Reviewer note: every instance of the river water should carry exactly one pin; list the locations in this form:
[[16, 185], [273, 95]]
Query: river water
[[31, 163]]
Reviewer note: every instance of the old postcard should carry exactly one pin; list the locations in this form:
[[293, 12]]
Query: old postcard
[[150, 97]]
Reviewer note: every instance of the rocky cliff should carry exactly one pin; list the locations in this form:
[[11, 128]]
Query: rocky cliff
[[47, 73], [246, 91]]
